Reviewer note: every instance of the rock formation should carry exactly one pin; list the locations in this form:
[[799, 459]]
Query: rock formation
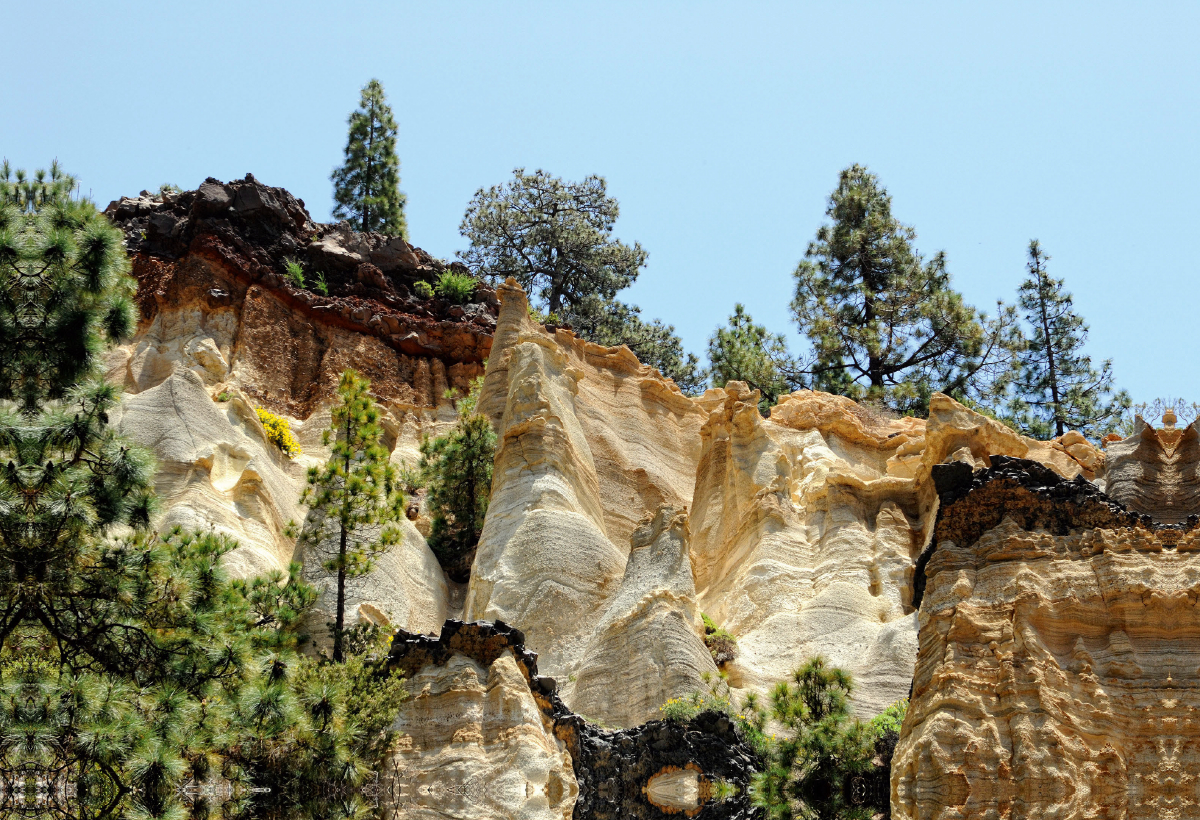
[[645, 649], [487, 736], [590, 443], [223, 330], [1057, 669]]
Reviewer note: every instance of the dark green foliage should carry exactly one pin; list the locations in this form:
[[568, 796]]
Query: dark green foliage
[[1059, 388], [457, 471], [355, 490], [746, 352], [808, 767], [456, 288], [129, 662], [883, 321], [367, 186], [553, 237], [612, 322], [423, 289]]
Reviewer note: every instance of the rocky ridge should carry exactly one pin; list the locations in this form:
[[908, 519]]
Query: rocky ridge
[[224, 330], [1056, 672]]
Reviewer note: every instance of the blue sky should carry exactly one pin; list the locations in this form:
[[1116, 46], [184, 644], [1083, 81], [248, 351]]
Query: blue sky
[[720, 127]]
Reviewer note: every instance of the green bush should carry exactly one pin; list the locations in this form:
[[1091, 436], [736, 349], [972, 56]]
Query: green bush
[[457, 470], [721, 645], [321, 287], [295, 272], [890, 719], [423, 289], [223, 396], [457, 288]]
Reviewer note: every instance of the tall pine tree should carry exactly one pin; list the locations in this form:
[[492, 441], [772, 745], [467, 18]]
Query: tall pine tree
[[355, 498], [1058, 388], [367, 187], [884, 322]]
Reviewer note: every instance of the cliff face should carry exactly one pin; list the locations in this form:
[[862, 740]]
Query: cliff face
[[803, 529], [224, 330], [591, 443], [1056, 674]]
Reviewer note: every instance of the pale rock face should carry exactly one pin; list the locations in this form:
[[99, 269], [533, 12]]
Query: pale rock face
[[804, 544], [1056, 673], [406, 587], [475, 744], [645, 650], [590, 443], [215, 469]]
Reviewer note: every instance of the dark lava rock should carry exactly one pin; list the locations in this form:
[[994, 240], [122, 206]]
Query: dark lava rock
[[972, 502], [612, 768]]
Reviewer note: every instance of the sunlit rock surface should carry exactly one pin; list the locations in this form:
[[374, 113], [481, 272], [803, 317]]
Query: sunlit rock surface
[[590, 444], [646, 648], [1057, 669], [223, 331]]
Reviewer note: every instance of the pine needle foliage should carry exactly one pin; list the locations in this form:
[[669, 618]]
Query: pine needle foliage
[[457, 470], [883, 321], [553, 237], [809, 766], [1059, 388], [355, 498], [366, 188], [129, 661], [747, 352]]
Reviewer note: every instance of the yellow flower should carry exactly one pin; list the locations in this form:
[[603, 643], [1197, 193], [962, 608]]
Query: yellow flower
[[279, 432]]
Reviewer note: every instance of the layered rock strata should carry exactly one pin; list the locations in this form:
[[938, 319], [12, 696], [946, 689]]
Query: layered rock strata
[[486, 736], [1057, 666], [590, 444], [225, 330], [645, 648]]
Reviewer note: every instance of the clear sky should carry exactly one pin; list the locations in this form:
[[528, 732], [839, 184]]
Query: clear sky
[[720, 127]]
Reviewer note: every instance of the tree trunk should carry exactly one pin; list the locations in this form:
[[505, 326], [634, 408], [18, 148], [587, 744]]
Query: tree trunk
[[1058, 419], [340, 623]]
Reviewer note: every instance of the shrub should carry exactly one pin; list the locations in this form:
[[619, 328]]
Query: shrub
[[720, 643], [321, 287], [457, 288], [423, 289], [223, 395], [457, 470], [295, 272], [279, 432]]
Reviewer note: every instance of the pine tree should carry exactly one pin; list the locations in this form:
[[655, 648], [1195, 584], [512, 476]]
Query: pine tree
[[457, 471], [552, 236], [883, 322], [746, 352], [130, 662], [1058, 388], [367, 187], [809, 767], [357, 489]]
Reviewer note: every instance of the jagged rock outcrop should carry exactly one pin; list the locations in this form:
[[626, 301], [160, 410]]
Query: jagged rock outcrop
[[1057, 669], [487, 736], [590, 443], [805, 526], [223, 331], [646, 649]]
